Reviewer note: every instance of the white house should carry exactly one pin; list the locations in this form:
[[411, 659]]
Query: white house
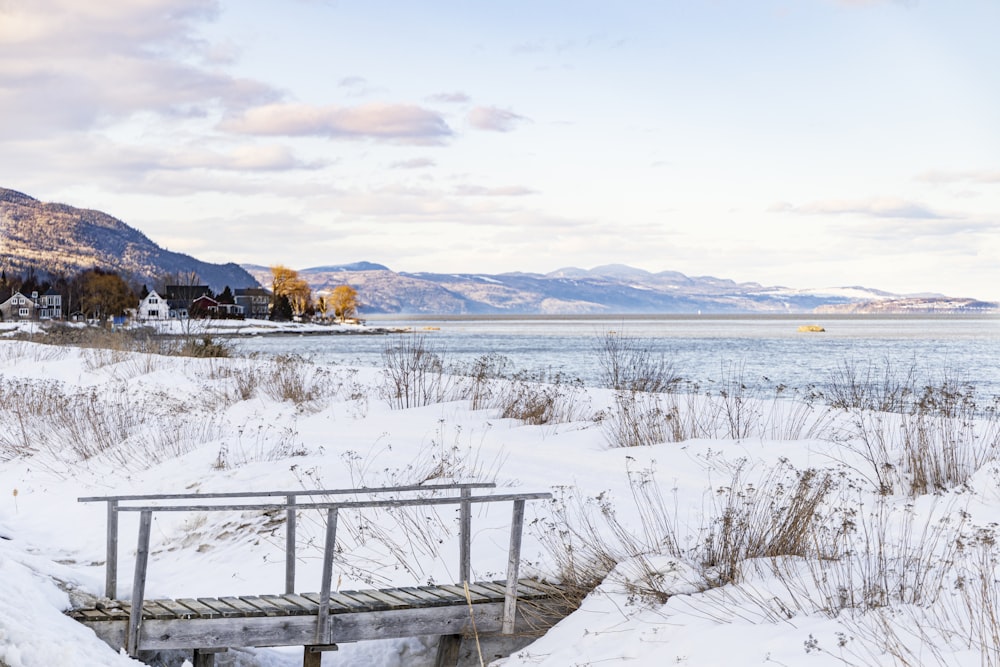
[[49, 305], [154, 307]]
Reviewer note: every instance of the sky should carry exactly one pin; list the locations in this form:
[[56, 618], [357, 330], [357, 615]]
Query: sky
[[804, 143]]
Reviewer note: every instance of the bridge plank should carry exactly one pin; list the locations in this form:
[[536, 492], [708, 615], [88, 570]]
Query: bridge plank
[[290, 607], [243, 607], [427, 598], [153, 609], [257, 606], [202, 610], [304, 602], [336, 606], [487, 592], [449, 596], [91, 615], [409, 598], [352, 603], [221, 607], [460, 592], [178, 610], [390, 600]]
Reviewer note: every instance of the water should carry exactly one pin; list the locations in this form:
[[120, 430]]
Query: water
[[768, 350]]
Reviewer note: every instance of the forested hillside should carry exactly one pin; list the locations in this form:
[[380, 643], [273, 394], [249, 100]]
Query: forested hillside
[[59, 239]]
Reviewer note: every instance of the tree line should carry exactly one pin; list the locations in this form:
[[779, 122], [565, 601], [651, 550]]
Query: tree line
[[98, 293], [292, 297]]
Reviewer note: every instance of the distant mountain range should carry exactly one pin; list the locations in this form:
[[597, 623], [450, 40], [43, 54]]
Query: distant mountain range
[[61, 239], [612, 289]]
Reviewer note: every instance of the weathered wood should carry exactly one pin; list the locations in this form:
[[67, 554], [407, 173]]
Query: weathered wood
[[346, 504], [459, 591], [390, 601], [335, 606], [513, 564], [297, 492], [448, 650], [200, 609], [426, 598], [220, 607], [250, 606], [111, 564], [290, 544], [314, 619], [153, 609], [304, 602], [177, 609], [204, 658], [465, 536], [447, 614], [353, 602], [326, 583], [450, 597], [312, 659], [139, 584], [287, 606]]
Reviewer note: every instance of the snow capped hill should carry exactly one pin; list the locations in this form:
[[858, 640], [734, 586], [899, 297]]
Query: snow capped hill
[[611, 289]]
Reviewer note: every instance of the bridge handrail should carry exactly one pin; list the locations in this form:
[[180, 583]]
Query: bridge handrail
[[346, 504], [291, 505], [114, 506], [294, 493]]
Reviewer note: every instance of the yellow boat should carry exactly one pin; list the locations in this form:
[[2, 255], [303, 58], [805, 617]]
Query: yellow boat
[[811, 328]]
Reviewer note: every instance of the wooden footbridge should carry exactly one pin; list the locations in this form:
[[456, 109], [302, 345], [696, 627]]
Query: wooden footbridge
[[319, 620]]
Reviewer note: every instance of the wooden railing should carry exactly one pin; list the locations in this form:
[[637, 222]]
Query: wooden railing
[[291, 505]]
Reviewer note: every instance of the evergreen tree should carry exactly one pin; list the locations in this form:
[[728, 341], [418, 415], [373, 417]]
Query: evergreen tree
[[282, 310]]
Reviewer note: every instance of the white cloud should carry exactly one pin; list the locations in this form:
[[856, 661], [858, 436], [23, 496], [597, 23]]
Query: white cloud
[[67, 65], [503, 191], [400, 123], [875, 207], [968, 176], [494, 119], [413, 163], [243, 158], [456, 97]]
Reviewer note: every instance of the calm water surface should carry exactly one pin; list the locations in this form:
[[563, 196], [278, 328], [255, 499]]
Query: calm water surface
[[768, 350]]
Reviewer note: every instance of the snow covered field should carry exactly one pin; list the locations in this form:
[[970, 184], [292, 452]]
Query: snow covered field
[[750, 531]]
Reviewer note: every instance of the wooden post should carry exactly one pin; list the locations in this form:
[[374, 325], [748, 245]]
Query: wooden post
[[326, 584], [465, 537], [312, 656], [513, 563], [111, 564], [290, 545], [449, 651], [139, 583]]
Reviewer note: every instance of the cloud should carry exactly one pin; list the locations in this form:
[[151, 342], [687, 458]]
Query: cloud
[[503, 191], [398, 123], [876, 207], [69, 66], [413, 163], [244, 158], [494, 119], [450, 98], [352, 82], [969, 176]]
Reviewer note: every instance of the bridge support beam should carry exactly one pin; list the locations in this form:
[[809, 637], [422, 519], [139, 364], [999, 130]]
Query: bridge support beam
[[448, 650], [205, 657], [312, 656]]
